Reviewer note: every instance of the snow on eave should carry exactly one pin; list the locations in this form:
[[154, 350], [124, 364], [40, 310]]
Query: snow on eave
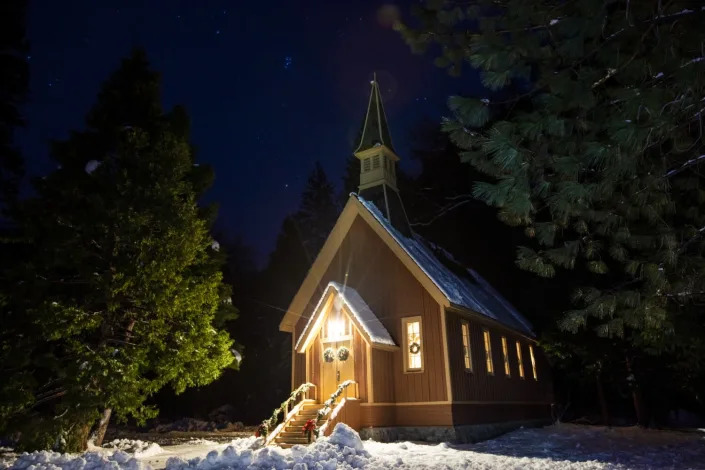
[[366, 318], [374, 328]]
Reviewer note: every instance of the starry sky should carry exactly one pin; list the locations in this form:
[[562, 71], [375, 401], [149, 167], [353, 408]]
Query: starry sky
[[271, 87]]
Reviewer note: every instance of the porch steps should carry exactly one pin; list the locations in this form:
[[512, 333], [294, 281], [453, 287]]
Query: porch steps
[[293, 433]]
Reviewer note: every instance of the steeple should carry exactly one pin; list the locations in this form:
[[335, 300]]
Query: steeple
[[378, 161]]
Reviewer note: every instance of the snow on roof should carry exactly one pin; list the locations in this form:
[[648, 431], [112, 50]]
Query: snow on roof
[[364, 315], [472, 292]]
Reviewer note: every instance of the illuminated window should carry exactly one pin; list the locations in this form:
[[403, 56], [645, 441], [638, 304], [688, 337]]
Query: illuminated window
[[520, 360], [413, 358], [533, 362], [366, 165], [467, 358], [488, 352], [336, 328], [375, 162], [505, 354]]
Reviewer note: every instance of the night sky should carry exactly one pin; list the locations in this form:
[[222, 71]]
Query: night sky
[[271, 87]]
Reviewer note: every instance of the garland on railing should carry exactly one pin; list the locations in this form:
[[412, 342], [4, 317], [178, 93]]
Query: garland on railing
[[327, 404], [271, 423]]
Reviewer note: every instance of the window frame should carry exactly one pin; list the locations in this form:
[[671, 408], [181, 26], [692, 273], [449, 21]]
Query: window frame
[[467, 346], [405, 341], [347, 330], [505, 357], [533, 362], [520, 361], [489, 361]]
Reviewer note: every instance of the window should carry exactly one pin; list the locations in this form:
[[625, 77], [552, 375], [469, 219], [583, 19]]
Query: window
[[533, 362], [467, 358], [413, 357], [336, 328], [488, 352], [505, 354], [375, 162], [366, 165], [520, 360]]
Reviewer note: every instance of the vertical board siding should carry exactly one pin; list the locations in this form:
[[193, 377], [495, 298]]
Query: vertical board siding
[[366, 263], [299, 369], [360, 355], [481, 386]]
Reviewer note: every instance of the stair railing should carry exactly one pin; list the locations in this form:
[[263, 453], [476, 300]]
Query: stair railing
[[328, 404], [272, 426]]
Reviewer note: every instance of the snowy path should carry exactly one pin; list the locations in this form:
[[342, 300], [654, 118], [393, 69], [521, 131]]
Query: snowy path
[[186, 451], [557, 447]]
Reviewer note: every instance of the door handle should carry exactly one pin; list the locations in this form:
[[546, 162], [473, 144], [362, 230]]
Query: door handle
[[337, 376]]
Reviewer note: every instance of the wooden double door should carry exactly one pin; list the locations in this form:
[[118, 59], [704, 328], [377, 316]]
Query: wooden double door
[[337, 371]]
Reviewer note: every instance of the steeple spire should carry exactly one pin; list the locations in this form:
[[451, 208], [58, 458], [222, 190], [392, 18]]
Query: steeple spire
[[375, 130], [378, 161]]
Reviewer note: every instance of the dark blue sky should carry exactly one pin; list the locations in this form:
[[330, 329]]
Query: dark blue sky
[[271, 87]]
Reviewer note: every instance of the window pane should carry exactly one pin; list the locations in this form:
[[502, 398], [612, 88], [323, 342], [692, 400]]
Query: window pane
[[465, 328], [533, 361], [488, 352], [413, 339], [520, 360], [505, 354]]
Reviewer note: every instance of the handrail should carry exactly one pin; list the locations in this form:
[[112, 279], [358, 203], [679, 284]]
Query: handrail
[[333, 396], [324, 427], [272, 422]]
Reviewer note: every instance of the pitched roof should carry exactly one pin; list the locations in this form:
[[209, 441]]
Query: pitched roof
[[462, 287], [375, 130], [450, 284], [363, 316]]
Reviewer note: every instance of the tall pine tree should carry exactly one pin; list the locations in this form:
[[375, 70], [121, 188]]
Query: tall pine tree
[[122, 293], [596, 150], [317, 212]]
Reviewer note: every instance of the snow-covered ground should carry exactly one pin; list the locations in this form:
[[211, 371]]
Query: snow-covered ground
[[556, 447]]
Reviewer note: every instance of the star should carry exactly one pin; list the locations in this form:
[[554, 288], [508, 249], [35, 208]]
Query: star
[[217, 32]]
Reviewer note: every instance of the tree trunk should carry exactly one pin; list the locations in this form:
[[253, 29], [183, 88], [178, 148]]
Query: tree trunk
[[99, 432], [636, 394], [603, 402]]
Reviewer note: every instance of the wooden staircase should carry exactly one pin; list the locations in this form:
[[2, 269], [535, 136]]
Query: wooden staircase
[[293, 433]]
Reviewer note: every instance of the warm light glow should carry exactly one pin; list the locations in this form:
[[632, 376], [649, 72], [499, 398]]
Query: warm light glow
[[520, 360], [488, 352], [465, 328], [336, 328]]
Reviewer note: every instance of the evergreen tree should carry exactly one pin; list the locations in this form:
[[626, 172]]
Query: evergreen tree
[[122, 293], [317, 213], [351, 179], [14, 85], [596, 152]]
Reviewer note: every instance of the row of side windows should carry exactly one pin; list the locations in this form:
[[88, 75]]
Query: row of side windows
[[487, 340], [413, 354]]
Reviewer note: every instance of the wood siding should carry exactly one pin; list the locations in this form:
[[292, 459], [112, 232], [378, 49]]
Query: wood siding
[[359, 352], [348, 414], [406, 415], [299, 369], [478, 385], [365, 263]]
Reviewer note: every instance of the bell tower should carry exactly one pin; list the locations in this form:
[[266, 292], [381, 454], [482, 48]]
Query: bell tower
[[378, 161]]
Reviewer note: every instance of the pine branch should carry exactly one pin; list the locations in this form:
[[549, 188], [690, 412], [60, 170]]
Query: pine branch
[[689, 163]]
